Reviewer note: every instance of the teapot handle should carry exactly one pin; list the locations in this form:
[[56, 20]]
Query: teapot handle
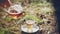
[[35, 24]]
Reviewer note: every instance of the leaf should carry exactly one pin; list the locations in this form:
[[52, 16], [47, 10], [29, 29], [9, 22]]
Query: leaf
[[6, 32], [1, 32], [9, 19]]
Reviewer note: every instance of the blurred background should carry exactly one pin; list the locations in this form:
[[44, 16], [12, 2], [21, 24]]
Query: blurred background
[[9, 25]]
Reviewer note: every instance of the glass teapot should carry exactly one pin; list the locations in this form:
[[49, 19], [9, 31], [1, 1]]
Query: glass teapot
[[15, 11]]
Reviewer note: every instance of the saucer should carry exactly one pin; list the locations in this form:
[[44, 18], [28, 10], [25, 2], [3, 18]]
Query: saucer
[[33, 30]]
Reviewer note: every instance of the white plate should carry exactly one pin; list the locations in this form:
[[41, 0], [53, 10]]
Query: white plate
[[25, 29]]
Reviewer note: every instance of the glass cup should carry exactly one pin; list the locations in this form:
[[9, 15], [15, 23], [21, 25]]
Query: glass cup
[[30, 24]]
